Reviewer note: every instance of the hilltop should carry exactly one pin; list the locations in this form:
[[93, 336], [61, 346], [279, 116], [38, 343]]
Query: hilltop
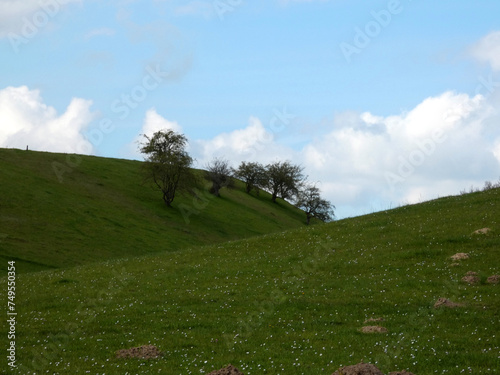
[[292, 302], [59, 210]]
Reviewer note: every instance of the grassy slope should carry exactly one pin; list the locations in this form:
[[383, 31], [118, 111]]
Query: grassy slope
[[287, 303], [101, 210]]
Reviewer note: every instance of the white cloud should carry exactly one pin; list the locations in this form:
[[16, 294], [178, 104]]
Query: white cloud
[[252, 143], [496, 149], [26, 120], [435, 149], [153, 122], [487, 50]]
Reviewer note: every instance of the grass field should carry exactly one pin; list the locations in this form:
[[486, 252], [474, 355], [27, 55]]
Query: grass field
[[285, 303], [60, 210]]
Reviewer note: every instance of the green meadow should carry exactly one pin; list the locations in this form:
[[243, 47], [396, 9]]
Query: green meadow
[[104, 267], [60, 210]]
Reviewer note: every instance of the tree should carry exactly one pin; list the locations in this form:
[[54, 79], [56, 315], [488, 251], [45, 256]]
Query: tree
[[283, 179], [252, 174], [220, 174], [167, 162], [309, 199]]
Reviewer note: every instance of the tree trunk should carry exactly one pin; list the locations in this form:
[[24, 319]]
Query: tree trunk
[[308, 220]]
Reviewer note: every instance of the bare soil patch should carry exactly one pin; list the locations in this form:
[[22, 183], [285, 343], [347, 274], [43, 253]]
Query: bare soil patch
[[471, 278], [229, 370], [460, 256], [359, 369], [494, 279], [373, 329], [445, 302], [144, 352], [482, 231]]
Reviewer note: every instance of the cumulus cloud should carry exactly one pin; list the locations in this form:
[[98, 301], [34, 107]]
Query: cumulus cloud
[[26, 120], [496, 149], [487, 50], [437, 148], [152, 123], [252, 143]]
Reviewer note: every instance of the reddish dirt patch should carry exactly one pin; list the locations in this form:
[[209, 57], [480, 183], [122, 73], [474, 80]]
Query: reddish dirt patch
[[359, 369], [144, 352], [460, 256], [444, 302], [229, 370], [495, 279], [373, 329], [404, 372]]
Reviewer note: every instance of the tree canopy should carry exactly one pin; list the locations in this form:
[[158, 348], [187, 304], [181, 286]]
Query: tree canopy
[[283, 179], [220, 174], [167, 163], [309, 199], [252, 174]]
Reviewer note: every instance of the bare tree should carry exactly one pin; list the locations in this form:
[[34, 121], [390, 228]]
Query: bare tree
[[167, 162], [220, 174], [283, 179], [252, 174], [309, 199]]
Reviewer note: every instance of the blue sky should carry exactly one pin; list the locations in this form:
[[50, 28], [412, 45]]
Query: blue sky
[[382, 102]]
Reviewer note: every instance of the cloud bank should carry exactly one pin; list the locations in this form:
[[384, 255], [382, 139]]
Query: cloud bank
[[25, 120]]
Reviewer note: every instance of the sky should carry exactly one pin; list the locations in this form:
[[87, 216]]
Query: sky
[[383, 103]]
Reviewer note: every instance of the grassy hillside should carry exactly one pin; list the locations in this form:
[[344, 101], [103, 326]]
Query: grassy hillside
[[98, 208], [285, 303]]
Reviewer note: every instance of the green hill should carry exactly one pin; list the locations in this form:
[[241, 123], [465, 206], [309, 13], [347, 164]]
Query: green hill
[[59, 210], [283, 303]]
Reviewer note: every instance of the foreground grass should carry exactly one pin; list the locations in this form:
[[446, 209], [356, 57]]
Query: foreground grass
[[287, 303], [96, 209]]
